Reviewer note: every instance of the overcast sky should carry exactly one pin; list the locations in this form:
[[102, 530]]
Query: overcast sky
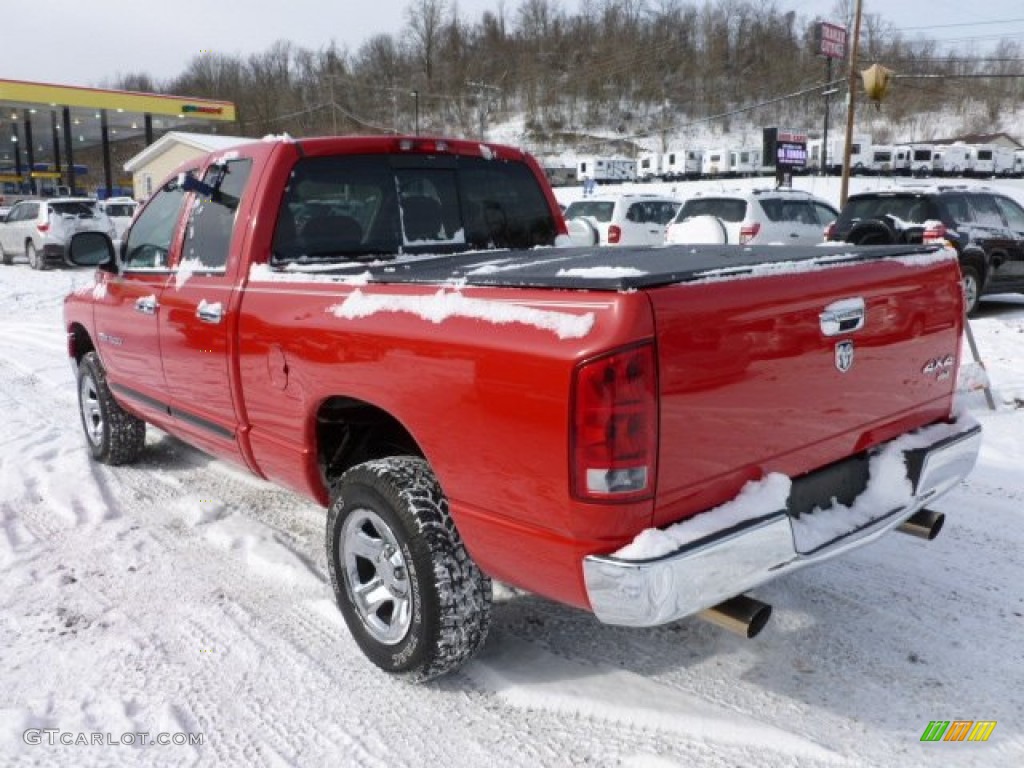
[[90, 42]]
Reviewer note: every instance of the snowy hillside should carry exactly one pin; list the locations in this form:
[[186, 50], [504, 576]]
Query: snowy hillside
[[181, 596]]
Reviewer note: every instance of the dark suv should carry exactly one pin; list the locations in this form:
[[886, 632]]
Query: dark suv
[[985, 226]]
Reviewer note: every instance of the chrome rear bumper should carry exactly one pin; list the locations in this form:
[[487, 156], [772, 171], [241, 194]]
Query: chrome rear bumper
[[644, 593]]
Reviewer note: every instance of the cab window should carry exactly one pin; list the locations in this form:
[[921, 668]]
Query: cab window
[[212, 219]]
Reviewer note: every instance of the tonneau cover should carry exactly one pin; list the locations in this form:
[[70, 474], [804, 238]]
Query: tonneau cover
[[611, 269]]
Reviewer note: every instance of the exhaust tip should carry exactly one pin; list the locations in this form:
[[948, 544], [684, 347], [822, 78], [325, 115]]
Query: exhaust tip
[[925, 524], [742, 615]]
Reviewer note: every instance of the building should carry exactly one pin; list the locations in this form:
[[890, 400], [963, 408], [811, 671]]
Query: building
[[998, 139]]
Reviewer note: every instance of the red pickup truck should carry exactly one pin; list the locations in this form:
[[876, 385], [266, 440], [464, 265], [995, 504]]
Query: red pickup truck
[[391, 327]]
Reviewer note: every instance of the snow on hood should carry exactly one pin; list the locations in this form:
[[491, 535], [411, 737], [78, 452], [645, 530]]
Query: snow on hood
[[446, 304]]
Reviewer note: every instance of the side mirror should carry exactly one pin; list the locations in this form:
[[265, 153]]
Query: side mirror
[[90, 249]]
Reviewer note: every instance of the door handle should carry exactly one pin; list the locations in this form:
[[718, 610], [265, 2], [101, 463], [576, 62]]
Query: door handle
[[147, 305], [844, 316], [210, 313]]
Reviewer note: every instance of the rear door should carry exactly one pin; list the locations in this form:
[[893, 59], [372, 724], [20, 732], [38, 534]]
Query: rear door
[[1010, 272], [18, 230]]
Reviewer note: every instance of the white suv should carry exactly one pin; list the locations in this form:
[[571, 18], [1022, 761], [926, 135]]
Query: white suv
[[40, 228], [759, 216], [625, 219], [120, 210]]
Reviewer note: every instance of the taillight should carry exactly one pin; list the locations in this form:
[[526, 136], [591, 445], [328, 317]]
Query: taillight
[[614, 439], [614, 234], [830, 230], [44, 227], [935, 233], [749, 231]]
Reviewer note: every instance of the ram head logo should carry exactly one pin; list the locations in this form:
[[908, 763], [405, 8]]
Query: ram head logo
[[844, 356]]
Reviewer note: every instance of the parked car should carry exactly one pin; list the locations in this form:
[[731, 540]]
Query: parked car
[[759, 216], [120, 211], [985, 227], [625, 219], [39, 229]]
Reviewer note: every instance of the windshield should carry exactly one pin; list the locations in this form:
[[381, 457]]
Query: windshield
[[365, 206]]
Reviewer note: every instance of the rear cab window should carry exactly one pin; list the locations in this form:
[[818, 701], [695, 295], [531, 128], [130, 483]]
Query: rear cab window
[[348, 207]]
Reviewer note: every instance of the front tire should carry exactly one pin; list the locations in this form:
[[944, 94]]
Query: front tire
[[114, 436], [415, 602]]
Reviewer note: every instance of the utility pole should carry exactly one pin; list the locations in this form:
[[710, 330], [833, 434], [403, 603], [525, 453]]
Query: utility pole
[[483, 104], [844, 187]]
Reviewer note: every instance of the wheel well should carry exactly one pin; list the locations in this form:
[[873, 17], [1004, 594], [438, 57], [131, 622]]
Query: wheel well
[[349, 432], [976, 260], [80, 342]]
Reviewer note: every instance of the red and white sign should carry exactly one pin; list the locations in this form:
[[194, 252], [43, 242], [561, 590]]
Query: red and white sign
[[831, 40]]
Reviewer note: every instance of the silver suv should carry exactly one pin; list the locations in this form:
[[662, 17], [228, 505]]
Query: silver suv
[[758, 216], [39, 229]]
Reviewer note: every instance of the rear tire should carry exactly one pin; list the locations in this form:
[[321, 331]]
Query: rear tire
[[415, 602], [971, 283], [33, 257], [114, 436]]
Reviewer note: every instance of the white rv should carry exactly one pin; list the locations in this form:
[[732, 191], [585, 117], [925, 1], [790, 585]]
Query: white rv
[[950, 160], [1018, 162], [746, 161], [989, 160], [860, 150], [716, 162], [921, 159], [679, 164], [880, 159], [604, 169], [648, 166]]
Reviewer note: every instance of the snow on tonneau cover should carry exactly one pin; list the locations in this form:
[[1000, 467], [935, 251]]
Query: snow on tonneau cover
[[810, 354]]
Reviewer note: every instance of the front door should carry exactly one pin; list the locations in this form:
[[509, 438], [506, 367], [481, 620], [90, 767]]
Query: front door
[[128, 306], [197, 321]]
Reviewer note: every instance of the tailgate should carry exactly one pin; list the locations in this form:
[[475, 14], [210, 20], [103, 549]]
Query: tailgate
[[783, 373]]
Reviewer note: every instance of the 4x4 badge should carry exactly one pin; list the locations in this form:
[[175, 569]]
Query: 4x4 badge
[[844, 356]]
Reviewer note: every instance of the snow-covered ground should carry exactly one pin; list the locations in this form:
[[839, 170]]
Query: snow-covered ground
[[181, 596]]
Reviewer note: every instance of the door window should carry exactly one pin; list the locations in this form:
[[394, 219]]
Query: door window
[[149, 240], [1014, 213], [986, 213], [212, 220]]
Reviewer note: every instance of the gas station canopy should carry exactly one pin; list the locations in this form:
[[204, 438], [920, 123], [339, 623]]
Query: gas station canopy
[[42, 126]]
